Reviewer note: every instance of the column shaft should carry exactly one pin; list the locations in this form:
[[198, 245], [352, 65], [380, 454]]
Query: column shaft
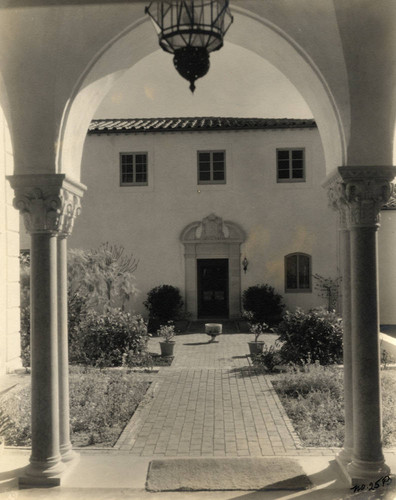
[[63, 356], [45, 459], [346, 454], [368, 459]]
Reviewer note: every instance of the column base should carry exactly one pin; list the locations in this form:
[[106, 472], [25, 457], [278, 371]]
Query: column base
[[37, 480], [364, 472], [343, 459], [68, 454]]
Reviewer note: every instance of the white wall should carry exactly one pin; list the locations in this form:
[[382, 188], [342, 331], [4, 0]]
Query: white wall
[[387, 267], [147, 220], [9, 261]]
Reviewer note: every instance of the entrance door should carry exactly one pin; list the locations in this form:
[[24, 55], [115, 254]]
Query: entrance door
[[212, 288]]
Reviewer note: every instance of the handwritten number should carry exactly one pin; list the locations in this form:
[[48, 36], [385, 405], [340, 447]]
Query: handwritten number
[[385, 480]]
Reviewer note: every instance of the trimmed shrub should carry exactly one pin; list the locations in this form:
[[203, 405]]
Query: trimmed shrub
[[105, 339], [164, 303], [263, 304], [311, 336]]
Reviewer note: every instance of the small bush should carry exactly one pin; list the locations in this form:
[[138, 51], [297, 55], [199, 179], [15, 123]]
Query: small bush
[[164, 303], [311, 336], [263, 304], [270, 358], [104, 339]]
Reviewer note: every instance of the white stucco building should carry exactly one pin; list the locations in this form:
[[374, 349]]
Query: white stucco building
[[182, 194]]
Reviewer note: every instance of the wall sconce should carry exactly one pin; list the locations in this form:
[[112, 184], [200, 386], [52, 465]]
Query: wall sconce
[[245, 264]]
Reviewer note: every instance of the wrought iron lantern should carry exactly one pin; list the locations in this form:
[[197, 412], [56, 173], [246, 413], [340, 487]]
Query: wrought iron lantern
[[245, 264], [190, 29]]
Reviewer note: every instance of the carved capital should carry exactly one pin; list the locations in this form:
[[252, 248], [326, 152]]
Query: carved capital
[[71, 208], [366, 191], [337, 198], [48, 203]]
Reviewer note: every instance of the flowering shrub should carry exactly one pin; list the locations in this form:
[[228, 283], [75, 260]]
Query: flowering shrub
[[167, 332], [311, 336], [104, 339], [258, 329]]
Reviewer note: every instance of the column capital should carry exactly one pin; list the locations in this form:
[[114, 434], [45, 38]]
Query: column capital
[[367, 189], [337, 197], [49, 203]]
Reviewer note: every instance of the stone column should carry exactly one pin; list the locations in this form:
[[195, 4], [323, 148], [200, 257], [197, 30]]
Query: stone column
[[41, 200], [336, 193], [366, 190], [71, 208]]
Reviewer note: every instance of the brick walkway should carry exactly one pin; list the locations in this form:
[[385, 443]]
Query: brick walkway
[[210, 403]]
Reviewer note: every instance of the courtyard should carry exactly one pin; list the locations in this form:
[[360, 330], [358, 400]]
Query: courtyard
[[210, 403]]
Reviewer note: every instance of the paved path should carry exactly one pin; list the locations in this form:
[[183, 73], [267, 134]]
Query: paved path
[[210, 402]]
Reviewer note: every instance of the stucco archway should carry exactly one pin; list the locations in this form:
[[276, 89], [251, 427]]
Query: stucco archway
[[213, 238], [57, 85], [268, 41]]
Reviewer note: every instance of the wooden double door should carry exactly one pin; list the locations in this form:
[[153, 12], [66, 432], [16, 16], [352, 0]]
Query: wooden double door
[[212, 279]]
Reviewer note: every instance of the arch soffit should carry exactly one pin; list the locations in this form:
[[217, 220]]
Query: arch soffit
[[116, 56], [212, 229]]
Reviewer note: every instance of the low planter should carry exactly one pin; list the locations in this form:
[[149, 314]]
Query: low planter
[[213, 329], [256, 347], [167, 348]]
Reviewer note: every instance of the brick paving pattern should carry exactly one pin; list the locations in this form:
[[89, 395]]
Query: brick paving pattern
[[211, 403]]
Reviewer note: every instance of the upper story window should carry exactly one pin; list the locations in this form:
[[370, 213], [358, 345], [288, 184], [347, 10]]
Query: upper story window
[[290, 165], [298, 273], [133, 169], [211, 167]]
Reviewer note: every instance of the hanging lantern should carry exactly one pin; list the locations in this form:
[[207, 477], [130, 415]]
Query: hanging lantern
[[190, 30]]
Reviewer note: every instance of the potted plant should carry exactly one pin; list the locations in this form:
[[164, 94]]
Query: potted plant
[[256, 346], [167, 332]]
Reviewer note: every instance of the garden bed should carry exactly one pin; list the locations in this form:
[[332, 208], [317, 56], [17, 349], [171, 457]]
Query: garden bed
[[314, 402], [101, 404]]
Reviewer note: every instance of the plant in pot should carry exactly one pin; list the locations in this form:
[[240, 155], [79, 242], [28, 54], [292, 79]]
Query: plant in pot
[[167, 332], [256, 346]]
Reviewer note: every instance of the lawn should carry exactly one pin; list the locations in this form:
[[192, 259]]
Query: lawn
[[101, 404], [314, 402]]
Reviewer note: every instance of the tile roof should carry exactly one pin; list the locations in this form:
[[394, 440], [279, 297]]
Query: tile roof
[[135, 125]]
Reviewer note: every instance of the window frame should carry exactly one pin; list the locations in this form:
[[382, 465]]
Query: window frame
[[290, 178], [211, 181], [134, 154], [298, 289]]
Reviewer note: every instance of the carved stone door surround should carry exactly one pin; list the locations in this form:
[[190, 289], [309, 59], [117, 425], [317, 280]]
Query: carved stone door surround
[[213, 238]]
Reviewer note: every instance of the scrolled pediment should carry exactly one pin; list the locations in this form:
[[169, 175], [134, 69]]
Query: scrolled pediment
[[212, 229]]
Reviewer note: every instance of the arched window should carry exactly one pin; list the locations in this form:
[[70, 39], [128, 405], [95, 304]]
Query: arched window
[[298, 273]]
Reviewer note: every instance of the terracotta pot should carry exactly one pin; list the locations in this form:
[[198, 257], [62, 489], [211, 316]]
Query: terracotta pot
[[167, 348], [256, 347]]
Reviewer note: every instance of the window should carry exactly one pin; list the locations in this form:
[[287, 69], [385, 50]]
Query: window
[[211, 167], [290, 165], [298, 273], [133, 169]]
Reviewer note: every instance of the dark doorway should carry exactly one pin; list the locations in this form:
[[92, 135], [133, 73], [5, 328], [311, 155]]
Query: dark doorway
[[212, 288]]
